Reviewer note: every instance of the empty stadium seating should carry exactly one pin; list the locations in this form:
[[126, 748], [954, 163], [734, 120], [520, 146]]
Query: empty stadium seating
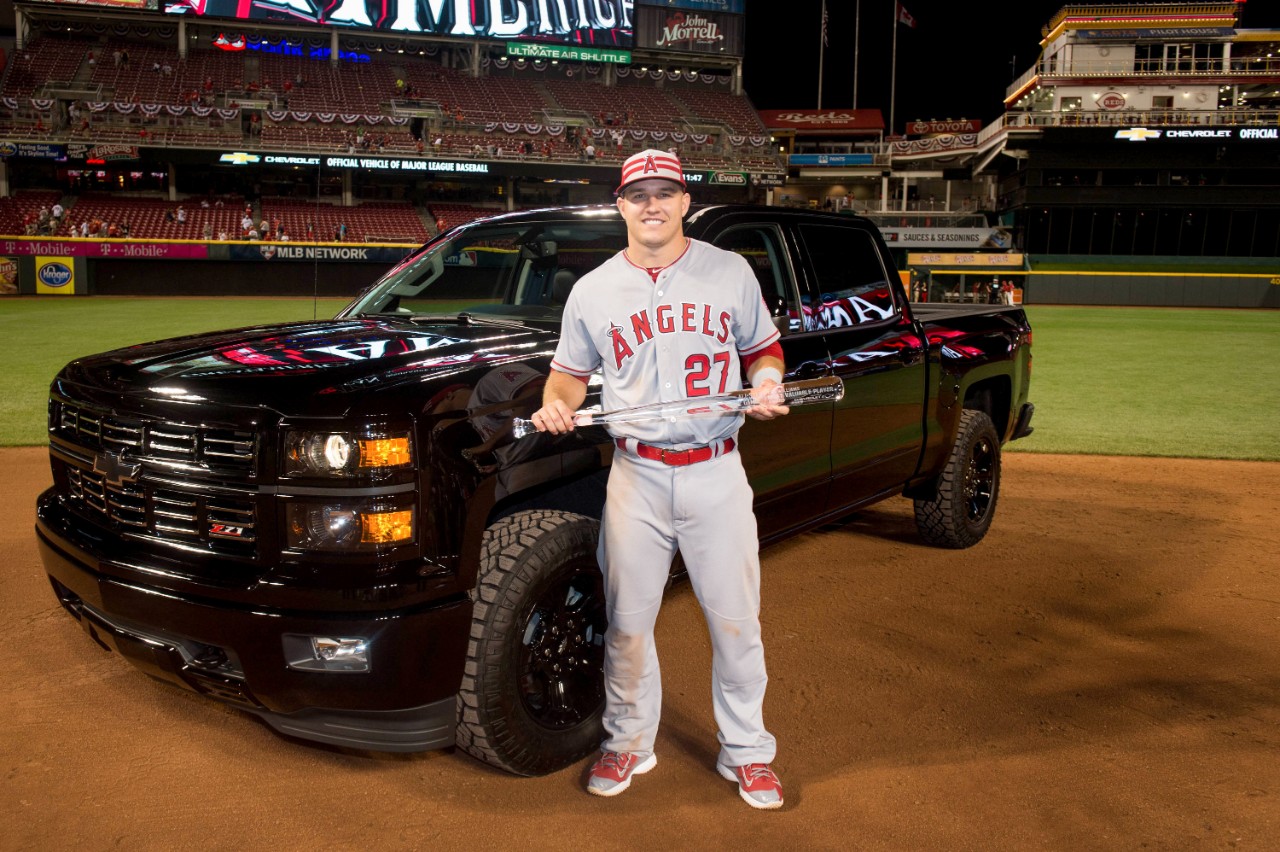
[[367, 222]]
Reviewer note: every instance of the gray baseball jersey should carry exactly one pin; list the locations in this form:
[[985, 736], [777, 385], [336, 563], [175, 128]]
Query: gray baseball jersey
[[678, 338]]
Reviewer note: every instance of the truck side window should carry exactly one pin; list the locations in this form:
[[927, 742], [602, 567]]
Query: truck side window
[[850, 277], [761, 247]]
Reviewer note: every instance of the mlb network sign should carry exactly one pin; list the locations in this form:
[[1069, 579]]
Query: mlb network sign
[[1218, 134]]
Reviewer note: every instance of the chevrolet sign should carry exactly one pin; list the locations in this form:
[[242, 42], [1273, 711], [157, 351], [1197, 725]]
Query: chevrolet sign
[[1137, 134]]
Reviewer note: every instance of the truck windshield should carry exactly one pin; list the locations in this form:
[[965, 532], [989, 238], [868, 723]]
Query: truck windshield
[[522, 271]]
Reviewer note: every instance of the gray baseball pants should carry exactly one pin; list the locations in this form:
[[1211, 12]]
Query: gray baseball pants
[[704, 511]]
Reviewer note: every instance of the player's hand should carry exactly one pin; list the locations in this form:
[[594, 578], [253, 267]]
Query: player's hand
[[554, 417], [768, 401]]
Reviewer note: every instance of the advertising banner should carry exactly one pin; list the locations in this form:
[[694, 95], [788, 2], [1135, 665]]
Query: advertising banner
[[8, 276], [831, 159], [603, 23], [55, 276], [830, 120], [728, 179], [927, 128], [768, 178], [1198, 134], [985, 238], [395, 164], [120, 249], [729, 7], [284, 252], [964, 259], [576, 53], [686, 31], [36, 150], [103, 153]]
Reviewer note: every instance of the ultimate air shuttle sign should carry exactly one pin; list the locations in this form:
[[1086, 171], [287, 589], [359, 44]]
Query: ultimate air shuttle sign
[[603, 23]]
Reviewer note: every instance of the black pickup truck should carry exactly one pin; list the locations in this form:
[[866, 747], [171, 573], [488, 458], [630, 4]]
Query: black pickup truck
[[329, 524]]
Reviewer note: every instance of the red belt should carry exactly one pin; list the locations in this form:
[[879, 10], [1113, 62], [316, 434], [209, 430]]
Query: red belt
[[675, 458]]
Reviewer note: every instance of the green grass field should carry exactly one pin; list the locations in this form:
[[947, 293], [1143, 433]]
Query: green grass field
[[1116, 381], [1156, 382], [42, 334]]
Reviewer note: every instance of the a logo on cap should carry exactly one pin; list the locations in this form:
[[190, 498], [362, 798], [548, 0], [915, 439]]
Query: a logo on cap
[[649, 165]]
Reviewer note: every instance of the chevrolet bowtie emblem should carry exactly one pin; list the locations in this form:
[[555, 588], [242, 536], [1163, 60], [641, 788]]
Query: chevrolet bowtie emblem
[[116, 469], [1137, 134]]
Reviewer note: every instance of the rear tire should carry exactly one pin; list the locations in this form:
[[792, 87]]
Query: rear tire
[[533, 686], [961, 513]]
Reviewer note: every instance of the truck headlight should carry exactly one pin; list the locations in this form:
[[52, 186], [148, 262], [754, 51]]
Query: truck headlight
[[339, 454], [348, 528]]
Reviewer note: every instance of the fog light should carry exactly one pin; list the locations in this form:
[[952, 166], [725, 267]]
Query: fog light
[[326, 653]]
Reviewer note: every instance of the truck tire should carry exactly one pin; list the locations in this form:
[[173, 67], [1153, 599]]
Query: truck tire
[[533, 685], [960, 515]]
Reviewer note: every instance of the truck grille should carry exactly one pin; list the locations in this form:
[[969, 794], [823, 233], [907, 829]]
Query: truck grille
[[226, 525], [161, 440]]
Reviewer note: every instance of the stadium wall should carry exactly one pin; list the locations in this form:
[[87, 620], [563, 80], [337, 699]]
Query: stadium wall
[[230, 278], [1154, 281]]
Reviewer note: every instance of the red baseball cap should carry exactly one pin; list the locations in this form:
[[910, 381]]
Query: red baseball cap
[[651, 164]]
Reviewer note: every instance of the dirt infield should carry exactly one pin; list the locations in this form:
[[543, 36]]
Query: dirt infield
[[1103, 672]]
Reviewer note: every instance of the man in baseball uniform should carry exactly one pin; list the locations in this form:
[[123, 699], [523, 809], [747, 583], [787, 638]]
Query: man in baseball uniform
[[666, 319]]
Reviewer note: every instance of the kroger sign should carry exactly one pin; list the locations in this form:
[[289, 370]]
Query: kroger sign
[[54, 274]]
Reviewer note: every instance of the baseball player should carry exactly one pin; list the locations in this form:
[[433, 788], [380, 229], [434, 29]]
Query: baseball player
[[666, 319]]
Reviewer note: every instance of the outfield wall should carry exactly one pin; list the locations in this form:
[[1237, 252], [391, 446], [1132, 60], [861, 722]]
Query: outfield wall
[[1151, 289], [1199, 282], [184, 268]]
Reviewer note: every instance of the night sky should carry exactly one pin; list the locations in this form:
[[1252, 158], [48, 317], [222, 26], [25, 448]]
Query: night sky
[[957, 61]]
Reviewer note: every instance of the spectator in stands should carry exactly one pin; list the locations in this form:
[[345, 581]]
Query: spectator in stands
[[340, 233], [169, 217], [246, 224], [253, 234], [124, 57], [84, 228], [57, 211], [590, 151], [222, 236], [115, 56], [182, 215], [441, 225], [311, 232], [113, 230], [104, 230], [264, 228], [155, 66], [281, 235], [92, 60], [208, 230]]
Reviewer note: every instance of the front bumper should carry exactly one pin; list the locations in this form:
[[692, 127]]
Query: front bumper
[[235, 653]]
